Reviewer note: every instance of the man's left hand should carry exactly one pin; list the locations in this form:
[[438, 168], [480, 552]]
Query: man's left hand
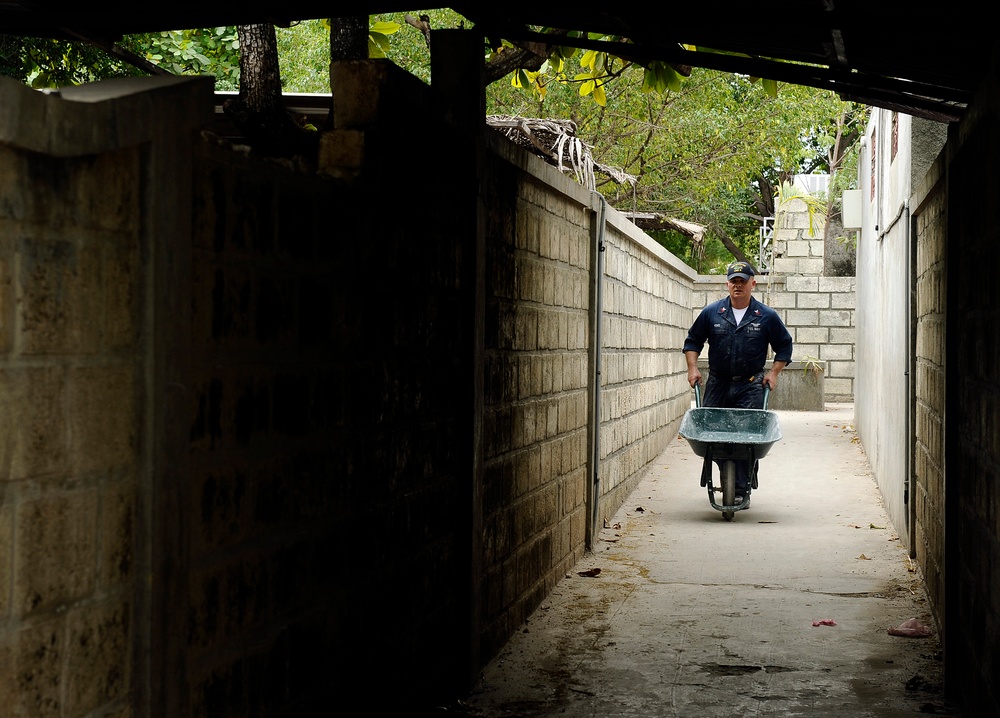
[[771, 380]]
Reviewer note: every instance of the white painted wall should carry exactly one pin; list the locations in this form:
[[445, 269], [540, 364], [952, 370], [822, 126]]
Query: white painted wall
[[883, 335]]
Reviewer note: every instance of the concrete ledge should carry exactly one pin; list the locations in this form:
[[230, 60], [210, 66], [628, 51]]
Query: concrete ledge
[[800, 386]]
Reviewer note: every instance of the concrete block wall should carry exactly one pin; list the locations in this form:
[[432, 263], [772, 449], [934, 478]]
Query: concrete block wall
[[69, 299], [75, 370], [820, 315], [539, 354], [798, 241], [645, 315], [538, 262], [928, 493], [972, 412], [331, 409]]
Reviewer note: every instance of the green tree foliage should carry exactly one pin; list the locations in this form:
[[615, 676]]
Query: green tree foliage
[[46, 63], [711, 151], [208, 51]]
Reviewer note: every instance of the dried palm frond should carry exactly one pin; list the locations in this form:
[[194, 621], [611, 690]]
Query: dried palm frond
[[556, 142]]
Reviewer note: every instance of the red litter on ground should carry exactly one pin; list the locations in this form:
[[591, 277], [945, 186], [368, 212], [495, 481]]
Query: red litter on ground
[[825, 622]]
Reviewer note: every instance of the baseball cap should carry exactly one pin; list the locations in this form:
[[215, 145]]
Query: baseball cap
[[739, 269]]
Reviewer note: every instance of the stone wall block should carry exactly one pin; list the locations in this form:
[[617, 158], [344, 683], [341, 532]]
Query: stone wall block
[[843, 335], [14, 201], [105, 190], [32, 421], [836, 318], [788, 266], [8, 301], [803, 318], [60, 293], [117, 534], [809, 335], [820, 300], [121, 303], [31, 678], [831, 352], [98, 651], [843, 300], [102, 417], [6, 550], [56, 551], [797, 249], [798, 285], [837, 285]]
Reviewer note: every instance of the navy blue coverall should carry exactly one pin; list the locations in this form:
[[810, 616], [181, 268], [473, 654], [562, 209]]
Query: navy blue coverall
[[736, 357]]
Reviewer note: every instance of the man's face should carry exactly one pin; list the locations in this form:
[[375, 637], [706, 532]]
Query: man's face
[[740, 289]]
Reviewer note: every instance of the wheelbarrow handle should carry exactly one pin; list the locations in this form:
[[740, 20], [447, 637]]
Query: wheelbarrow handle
[[697, 395]]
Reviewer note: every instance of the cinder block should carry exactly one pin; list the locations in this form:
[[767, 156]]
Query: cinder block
[[837, 284], [834, 387], [7, 298], [787, 266], [117, 534], [102, 418], [803, 318], [32, 421], [836, 318], [56, 551], [99, 656], [843, 300], [121, 303], [811, 335], [797, 249], [31, 679], [841, 369], [61, 294], [341, 152], [820, 300], [6, 551], [797, 284], [843, 335], [782, 300], [833, 352]]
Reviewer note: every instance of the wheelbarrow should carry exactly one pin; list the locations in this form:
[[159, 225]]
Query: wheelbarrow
[[727, 436]]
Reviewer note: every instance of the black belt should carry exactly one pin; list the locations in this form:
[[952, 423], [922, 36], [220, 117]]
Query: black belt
[[744, 377]]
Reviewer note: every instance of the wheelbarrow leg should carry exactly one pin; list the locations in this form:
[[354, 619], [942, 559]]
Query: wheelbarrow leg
[[728, 487]]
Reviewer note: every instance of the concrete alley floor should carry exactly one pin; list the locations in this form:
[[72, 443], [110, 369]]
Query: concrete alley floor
[[691, 615]]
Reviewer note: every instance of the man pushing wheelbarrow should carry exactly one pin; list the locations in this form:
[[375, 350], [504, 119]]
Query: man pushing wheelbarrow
[[739, 329]]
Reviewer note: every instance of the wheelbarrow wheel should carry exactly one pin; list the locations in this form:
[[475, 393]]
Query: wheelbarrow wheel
[[728, 488]]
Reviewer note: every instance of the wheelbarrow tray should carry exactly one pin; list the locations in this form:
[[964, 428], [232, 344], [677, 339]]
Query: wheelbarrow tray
[[730, 432]]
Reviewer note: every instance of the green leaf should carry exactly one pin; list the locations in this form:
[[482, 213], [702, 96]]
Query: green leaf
[[599, 97], [374, 51], [381, 41], [671, 79], [385, 28]]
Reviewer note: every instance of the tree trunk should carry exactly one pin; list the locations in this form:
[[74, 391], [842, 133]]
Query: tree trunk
[[259, 111], [349, 38], [260, 77], [348, 41]]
